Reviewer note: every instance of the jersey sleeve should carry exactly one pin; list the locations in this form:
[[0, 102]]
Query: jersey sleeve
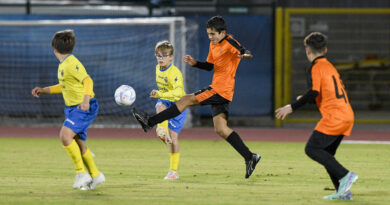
[[210, 58], [310, 96], [55, 89], [78, 71], [316, 78], [236, 48], [234, 51], [88, 86]]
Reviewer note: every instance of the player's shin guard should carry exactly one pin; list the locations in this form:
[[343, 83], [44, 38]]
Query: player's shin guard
[[235, 140], [90, 163], [74, 153], [169, 113], [174, 161], [164, 125], [162, 132]]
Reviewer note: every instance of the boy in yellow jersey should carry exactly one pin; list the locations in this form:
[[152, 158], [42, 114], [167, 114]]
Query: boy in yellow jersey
[[81, 109], [170, 89]]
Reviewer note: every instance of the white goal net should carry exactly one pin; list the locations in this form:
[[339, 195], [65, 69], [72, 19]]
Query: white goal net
[[114, 52]]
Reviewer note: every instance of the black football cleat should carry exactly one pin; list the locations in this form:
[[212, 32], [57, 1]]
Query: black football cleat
[[251, 165], [142, 119]]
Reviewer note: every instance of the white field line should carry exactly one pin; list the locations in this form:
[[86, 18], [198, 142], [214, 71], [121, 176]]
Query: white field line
[[364, 142]]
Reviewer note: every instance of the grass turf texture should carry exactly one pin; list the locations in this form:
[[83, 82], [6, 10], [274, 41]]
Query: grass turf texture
[[38, 171]]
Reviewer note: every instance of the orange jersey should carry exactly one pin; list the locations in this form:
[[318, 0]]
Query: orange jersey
[[332, 100], [224, 56]]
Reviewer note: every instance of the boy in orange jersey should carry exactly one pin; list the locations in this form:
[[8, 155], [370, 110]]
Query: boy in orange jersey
[[224, 56], [327, 91]]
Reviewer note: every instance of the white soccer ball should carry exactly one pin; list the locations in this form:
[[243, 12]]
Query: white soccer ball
[[124, 95]]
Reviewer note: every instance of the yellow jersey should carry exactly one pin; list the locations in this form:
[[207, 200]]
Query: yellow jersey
[[170, 83], [71, 74]]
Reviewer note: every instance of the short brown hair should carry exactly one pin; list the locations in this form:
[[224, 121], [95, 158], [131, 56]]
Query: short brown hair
[[217, 23], [64, 41], [164, 47], [316, 41]]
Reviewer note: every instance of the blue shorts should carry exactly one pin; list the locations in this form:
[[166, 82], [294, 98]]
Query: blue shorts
[[175, 124], [79, 120]]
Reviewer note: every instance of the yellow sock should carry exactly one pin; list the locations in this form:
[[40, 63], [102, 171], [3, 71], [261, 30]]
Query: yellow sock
[[74, 153], [90, 163], [174, 161], [164, 125]]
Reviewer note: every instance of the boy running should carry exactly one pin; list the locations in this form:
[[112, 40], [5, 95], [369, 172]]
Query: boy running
[[224, 56], [170, 89], [327, 90], [81, 108]]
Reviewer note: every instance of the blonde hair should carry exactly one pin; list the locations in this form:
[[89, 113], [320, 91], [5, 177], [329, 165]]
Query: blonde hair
[[164, 47]]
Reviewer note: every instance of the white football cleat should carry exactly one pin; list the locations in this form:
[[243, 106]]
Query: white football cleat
[[97, 180], [163, 135], [81, 180], [172, 175]]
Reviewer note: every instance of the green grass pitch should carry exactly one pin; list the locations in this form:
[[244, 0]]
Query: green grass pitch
[[38, 171]]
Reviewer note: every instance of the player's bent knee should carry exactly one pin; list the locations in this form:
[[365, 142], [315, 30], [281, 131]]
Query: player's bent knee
[[310, 152], [66, 136], [218, 131], [66, 140], [175, 142], [191, 99], [161, 108], [221, 131], [186, 101]]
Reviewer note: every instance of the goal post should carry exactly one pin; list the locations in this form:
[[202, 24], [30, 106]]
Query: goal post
[[113, 51]]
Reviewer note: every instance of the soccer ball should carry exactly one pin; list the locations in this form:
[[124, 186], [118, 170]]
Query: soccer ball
[[124, 95]]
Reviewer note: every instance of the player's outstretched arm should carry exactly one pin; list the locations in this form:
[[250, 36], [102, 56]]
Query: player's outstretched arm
[[189, 60], [37, 91], [282, 112], [55, 89], [201, 65]]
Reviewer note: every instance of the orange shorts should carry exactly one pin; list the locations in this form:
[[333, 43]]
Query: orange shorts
[[208, 96], [204, 94]]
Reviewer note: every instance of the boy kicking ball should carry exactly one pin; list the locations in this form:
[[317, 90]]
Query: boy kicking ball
[[225, 54]]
